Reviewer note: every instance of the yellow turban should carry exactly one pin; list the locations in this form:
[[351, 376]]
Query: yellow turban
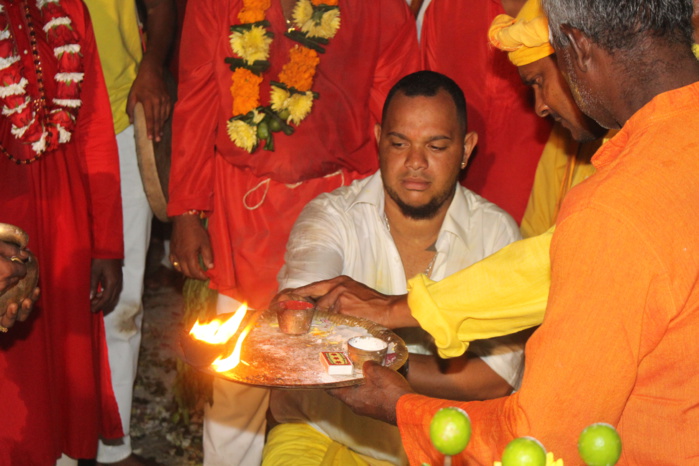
[[526, 37]]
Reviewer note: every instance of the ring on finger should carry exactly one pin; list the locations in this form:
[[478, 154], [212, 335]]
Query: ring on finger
[[3, 329], [16, 259]]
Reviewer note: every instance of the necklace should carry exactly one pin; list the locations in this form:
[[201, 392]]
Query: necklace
[[314, 23], [35, 122], [428, 270]]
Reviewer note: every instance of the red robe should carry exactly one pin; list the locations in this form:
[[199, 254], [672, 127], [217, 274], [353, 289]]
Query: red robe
[[500, 107], [374, 47], [54, 375]]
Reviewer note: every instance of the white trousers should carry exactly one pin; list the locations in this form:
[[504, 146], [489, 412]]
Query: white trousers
[[66, 460], [234, 426], [123, 324]]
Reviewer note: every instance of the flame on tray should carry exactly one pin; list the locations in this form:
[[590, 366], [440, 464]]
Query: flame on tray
[[218, 332]]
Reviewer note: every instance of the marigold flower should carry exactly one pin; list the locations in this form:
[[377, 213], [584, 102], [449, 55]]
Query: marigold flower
[[327, 28], [301, 68], [257, 4], [303, 11], [250, 16], [253, 11], [251, 45], [299, 106], [278, 98], [324, 2], [245, 91], [242, 134]]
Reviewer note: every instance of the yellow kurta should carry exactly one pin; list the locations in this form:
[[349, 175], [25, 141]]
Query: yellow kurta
[[120, 50], [564, 163], [502, 294]]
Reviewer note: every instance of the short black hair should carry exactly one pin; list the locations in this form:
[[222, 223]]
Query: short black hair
[[428, 84], [616, 25]]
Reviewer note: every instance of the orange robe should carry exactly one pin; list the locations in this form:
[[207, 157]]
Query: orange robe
[[55, 383], [254, 199], [511, 137], [618, 341]]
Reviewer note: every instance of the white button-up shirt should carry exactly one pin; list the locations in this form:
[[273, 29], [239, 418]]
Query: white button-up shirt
[[345, 233]]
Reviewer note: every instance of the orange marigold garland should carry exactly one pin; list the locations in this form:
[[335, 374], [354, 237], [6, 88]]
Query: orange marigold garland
[[300, 69], [291, 98], [246, 88]]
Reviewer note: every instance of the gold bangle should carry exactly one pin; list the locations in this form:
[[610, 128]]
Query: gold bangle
[[3, 329]]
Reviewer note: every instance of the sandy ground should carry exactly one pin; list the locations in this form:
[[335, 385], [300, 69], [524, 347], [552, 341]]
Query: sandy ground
[[156, 431]]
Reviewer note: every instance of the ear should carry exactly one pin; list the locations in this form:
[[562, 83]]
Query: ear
[[377, 133], [470, 142], [580, 47]]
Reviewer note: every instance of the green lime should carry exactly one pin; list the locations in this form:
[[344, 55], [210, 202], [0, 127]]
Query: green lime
[[599, 445], [450, 430], [284, 114], [275, 125], [262, 130], [524, 451]]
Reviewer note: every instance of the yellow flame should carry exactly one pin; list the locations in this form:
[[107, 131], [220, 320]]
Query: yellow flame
[[223, 365], [217, 331]]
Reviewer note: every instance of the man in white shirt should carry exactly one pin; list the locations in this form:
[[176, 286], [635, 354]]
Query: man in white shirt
[[411, 217]]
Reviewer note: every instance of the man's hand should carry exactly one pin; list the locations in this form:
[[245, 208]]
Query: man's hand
[[286, 294], [15, 312], [105, 284], [189, 240], [346, 296], [11, 270], [377, 396], [149, 88]]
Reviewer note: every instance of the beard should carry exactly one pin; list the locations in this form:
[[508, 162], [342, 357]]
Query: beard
[[589, 103], [424, 211]]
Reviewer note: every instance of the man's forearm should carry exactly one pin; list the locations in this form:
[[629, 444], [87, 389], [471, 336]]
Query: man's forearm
[[399, 315], [160, 27], [465, 378]]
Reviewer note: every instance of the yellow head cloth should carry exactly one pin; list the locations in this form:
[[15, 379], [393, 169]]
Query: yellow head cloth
[[526, 37]]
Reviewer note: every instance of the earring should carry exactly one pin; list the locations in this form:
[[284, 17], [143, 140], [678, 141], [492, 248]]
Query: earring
[[463, 165]]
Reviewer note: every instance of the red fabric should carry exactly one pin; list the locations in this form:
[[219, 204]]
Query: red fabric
[[500, 109], [375, 46], [618, 341], [54, 375]]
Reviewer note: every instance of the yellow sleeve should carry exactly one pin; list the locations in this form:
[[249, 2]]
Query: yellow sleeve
[[502, 294], [540, 214]]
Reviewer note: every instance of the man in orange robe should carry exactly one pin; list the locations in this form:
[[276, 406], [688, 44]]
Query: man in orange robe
[[617, 341]]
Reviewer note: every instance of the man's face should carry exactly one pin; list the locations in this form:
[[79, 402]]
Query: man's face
[[421, 148], [554, 98], [587, 90]]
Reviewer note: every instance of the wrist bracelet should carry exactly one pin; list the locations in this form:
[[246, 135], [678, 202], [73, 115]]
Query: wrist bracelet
[[197, 212]]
